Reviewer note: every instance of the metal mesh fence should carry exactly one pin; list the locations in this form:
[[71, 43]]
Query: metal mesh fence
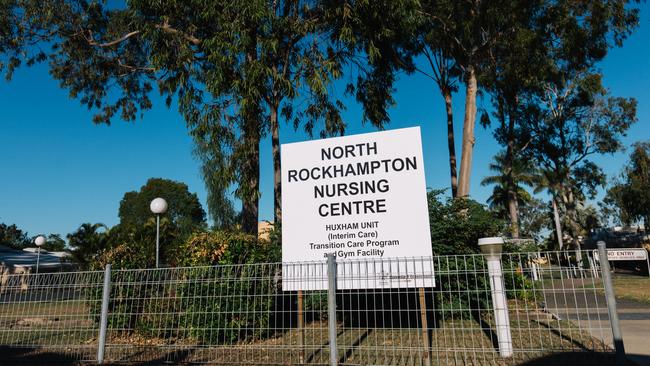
[[50, 312], [239, 314]]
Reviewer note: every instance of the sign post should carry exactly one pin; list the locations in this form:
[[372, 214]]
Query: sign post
[[301, 328], [625, 254], [356, 198]]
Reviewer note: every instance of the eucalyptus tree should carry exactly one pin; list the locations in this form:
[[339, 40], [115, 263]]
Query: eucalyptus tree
[[232, 67], [638, 182], [559, 39], [614, 206], [630, 197], [458, 38], [453, 38], [293, 61], [445, 72], [575, 119], [545, 181]]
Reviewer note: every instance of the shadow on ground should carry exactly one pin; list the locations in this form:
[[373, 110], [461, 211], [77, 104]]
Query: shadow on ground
[[584, 358], [32, 356]]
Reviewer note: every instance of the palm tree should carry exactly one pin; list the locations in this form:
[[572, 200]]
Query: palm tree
[[508, 192], [87, 242]]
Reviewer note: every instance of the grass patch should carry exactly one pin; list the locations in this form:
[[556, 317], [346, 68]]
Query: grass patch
[[35, 324], [453, 341], [65, 328], [627, 287]]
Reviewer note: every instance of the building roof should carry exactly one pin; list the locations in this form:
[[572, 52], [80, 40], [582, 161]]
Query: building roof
[[19, 258]]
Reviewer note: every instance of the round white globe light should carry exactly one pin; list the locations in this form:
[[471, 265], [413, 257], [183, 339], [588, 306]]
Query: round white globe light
[[158, 206], [39, 241]]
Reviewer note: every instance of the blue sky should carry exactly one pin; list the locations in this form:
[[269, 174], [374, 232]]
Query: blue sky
[[60, 170]]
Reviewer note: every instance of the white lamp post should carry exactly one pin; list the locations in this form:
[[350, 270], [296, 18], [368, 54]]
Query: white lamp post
[[158, 206], [491, 249], [39, 241]]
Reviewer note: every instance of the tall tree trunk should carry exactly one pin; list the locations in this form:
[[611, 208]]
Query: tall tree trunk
[[558, 224], [277, 176], [513, 210], [252, 134], [468, 132], [572, 215], [251, 181], [451, 144], [511, 185]]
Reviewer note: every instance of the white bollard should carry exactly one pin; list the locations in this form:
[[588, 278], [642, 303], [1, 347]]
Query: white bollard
[[491, 248], [535, 274]]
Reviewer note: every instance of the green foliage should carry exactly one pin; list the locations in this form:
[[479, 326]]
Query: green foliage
[[534, 218], [241, 314], [223, 247], [184, 209], [54, 243], [614, 206], [244, 282], [512, 175], [457, 224], [134, 246], [463, 287], [575, 119], [522, 287], [131, 243], [13, 237], [232, 67], [87, 243], [458, 296], [174, 304], [629, 200], [547, 63]]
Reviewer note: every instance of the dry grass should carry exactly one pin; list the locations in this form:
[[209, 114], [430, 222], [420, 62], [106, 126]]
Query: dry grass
[[628, 287], [457, 342], [632, 288], [67, 330]]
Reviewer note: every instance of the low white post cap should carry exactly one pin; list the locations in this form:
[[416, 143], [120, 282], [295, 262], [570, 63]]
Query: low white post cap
[[490, 240]]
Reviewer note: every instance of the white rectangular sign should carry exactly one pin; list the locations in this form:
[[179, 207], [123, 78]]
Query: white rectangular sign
[[363, 198], [625, 254]]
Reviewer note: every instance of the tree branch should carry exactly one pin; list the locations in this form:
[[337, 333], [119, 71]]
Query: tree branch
[[92, 42], [165, 27]]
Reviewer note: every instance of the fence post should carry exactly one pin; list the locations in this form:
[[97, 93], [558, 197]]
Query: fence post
[[611, 304], [103, 322], [491, 248], [331, 307]]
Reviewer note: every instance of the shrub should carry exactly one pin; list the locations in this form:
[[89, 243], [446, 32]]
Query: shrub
[[224, 247], [241, 313], [210, 304], [457, 224]]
